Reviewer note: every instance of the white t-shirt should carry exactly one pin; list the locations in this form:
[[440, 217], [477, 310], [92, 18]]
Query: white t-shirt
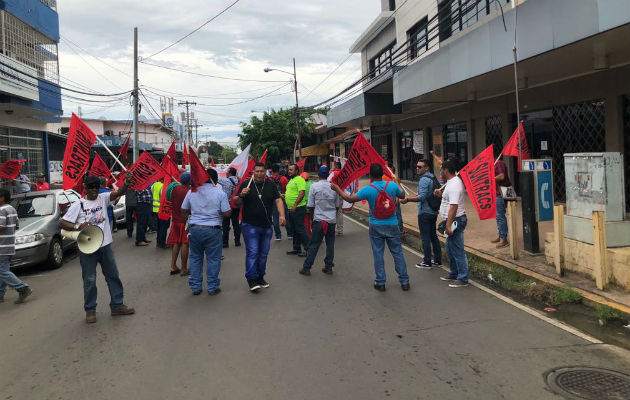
[[453, 194], [93, 211]]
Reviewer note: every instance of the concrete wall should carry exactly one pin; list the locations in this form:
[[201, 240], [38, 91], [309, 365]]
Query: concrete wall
[[578, 257], [384, 39]]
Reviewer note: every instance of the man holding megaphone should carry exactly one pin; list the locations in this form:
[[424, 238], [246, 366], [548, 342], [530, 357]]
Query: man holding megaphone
[[92, 211]]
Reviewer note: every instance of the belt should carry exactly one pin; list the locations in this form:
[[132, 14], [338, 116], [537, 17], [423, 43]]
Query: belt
[[206, 226]]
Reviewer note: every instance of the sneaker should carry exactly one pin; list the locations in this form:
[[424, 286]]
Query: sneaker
[[253, 285], [217, 291], [289, 237], [503, 243], [405, 287], [436, 263], [293, 252], [302, 254], [196, 292], [424, 265], [458, 283], [380, 288], [23, 294], [278, 239], [263, 283], [338, 233], [90, 317], [237, 244], [123, 310], [327, 271], [305, 271], [447, 278]]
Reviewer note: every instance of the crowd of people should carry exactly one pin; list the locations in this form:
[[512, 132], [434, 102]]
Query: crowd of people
[[256, 208]]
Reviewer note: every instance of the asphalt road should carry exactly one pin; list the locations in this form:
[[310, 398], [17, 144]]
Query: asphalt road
[[317, 337]]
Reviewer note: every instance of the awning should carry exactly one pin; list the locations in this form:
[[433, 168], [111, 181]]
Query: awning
[[315, 150], [343, 136]]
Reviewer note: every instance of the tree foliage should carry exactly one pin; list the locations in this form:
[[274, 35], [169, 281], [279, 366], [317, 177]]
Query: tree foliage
[[220, 153], [276, 132]]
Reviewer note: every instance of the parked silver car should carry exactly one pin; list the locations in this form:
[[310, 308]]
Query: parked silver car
[[39, 237], [120, 211]]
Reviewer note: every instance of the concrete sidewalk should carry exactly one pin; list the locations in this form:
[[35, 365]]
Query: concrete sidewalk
[[480, 233]]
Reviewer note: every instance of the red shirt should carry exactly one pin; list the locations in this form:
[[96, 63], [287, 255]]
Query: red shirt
[[283, 182], [501, 168], [177, 199], [43, 186]]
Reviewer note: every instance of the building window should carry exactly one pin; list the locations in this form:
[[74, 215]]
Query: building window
[[392, 5], [455, 137], [457, 15], [21, 42], [18, 143], [418, 38], [382, 62]]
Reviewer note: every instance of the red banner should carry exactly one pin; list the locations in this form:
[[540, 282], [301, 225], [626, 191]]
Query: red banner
[[76, 159], [185, 158], [10, 169], [120, 178], [124, 150], [478, 176], [361, 156], [99, 168], [198, 174], [146, 170], [172, 154], [172, 172], [511, 148]]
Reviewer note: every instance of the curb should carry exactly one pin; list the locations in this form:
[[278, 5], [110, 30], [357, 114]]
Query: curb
[[590, 299]]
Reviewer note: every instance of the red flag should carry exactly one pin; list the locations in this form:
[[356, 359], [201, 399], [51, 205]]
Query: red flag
[[124, 150], [511, 147], [249, 172], [361, 156], [171, 169], [146, 170], [301, 164], [79, 187], [120, 178], [478, 176], [99, 168], [76, 158], [212, 162], [11, 169], [263, 158], [166, 206], [185, 158], [171, 153], [198, 174]]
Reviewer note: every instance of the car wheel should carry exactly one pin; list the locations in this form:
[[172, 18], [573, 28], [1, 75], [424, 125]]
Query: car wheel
[[55, 253]]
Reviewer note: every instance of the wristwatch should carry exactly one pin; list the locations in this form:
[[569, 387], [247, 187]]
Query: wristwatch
[[76, 227]]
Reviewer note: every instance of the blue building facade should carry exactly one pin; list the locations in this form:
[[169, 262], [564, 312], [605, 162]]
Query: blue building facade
[[30, 95]]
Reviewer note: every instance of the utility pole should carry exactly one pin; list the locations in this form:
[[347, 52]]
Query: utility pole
[[297, 113], [135, 95], [188, 125], [196, 125]]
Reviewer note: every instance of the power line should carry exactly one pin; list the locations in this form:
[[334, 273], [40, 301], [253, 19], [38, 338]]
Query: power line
[[329, 75], [194, 30], [208, 75], [92, 67], [215, 96], [65, 38]]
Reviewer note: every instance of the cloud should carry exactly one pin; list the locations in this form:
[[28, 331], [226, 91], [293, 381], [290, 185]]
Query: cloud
[[250, 36]]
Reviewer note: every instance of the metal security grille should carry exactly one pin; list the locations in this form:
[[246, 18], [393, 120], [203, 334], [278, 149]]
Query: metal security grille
[[626, 148], [494, 134], [28, 46], [577, 128]]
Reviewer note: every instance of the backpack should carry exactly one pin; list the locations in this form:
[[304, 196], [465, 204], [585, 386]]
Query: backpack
[[432, 201], [384, 206]]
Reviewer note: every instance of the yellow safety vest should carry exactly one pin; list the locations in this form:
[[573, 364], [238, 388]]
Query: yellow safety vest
[[156, 189]]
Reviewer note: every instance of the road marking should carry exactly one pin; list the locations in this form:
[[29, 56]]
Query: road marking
[[527, 309]]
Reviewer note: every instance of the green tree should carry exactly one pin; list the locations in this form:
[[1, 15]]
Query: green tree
[[227, 155], [276, 133]]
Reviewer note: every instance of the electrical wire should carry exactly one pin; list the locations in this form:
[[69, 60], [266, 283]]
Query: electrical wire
[[194, 30], [208, 75], [91, 66], [65, 38], [214, 96]]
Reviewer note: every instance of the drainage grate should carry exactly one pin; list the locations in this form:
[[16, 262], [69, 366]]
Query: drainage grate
[[589, 383]]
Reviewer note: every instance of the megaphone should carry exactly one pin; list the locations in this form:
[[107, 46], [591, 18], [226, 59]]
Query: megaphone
[[88, 240]]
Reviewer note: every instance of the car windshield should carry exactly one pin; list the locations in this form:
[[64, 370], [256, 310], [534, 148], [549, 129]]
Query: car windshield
[[37, 206]]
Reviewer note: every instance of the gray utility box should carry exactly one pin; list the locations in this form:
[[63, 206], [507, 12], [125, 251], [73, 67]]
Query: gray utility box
[[595, 182]]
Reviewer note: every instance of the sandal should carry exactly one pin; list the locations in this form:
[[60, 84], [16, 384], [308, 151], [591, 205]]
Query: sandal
[[175, 272]]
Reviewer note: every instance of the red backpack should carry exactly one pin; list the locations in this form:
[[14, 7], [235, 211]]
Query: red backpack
[[384, 206]]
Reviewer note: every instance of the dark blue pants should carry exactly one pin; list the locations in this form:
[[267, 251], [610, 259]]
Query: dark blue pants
[[428, 234], [236, 224], [300, 237], [276, 222], [162, 231], [287, 225], [316, 241], [143, 213], [257, 243], [105, 257], [129, 210]]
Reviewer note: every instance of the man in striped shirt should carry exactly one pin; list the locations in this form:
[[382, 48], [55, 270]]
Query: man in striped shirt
[[8, 225]]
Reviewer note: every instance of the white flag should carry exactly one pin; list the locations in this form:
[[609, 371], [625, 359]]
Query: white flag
[[240, 162]]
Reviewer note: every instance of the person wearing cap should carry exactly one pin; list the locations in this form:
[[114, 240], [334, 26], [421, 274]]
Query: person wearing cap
[[92, 210], [178, 237], [206, 205], [324, 202]]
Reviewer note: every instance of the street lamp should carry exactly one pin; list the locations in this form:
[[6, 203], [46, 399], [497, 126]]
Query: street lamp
[[297, 115]]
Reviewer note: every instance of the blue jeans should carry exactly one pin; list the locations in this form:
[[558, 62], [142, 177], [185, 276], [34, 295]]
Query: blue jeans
[[426, 223], [257, 243], [143, 213], [8, 278], [300, 237], [208, 241], [399, 216], [455, 251], [379, 234], [276, 222], [501, 219], [105, 257], [316, 241], [288, 226]]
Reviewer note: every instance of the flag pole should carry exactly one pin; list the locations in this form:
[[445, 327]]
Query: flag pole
[[110, 153]]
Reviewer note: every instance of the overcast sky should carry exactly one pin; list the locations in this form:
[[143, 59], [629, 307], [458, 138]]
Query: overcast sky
[[240, 43]]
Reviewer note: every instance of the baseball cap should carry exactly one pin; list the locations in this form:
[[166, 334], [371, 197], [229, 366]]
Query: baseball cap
[[304, 175], [185, 178], [323, 171]]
